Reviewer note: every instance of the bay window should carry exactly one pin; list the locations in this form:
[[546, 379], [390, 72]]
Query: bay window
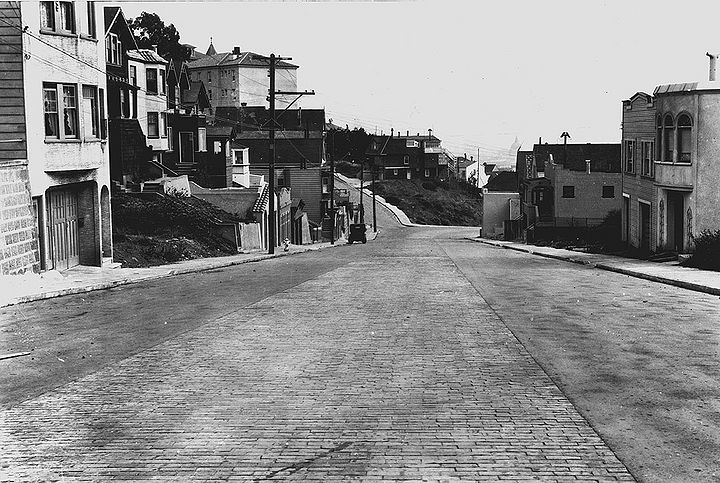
[[60, 104]]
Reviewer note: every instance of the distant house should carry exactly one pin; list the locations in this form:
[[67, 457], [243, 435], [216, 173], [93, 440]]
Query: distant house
[[408, 157], [584, 181], [501, 204], [236, 79], [188, 106], [299, 152]]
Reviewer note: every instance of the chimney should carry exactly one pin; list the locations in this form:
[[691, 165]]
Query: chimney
[[713, 62], [236, 52], [408, 134], [429, 133], [392, 131], [154, 47]]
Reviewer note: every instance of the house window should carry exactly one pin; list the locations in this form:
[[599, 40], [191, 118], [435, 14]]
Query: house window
[[162, 82], [209, 77], [684, 131], [57, 17], [406, 159], [395, 172], [153, 126], [202, 139], [124, 104], [60, 106], [427, 173], [170, 138], [568, 192], [325, 185], [133, 75], [629, 156], [103, 125], [238, 156], [113, 48], [151, 81], [608, 192], [163, 125], [90, 110], [92, 25], [217, 147], [648, 149], [668, 139]]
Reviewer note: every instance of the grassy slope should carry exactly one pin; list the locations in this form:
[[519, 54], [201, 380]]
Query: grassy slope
[[433, 203]]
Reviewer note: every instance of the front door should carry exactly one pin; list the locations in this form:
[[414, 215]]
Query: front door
[[675, 220], [644, 227], [64, 235], [187, 147]]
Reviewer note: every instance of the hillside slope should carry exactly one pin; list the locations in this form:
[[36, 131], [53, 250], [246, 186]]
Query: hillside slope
[[433, 202], [155, 230]]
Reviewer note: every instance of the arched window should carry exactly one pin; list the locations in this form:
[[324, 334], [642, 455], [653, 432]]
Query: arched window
[[658, 139], [684, 132], [668, 139]]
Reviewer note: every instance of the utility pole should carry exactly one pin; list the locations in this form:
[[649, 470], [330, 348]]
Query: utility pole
[[271, 167], [272, 225], [362, 178], [373, 191], [332, 200]]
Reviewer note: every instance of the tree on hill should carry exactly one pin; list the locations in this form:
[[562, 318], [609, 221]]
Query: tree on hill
[[346, 144], [149, 30]]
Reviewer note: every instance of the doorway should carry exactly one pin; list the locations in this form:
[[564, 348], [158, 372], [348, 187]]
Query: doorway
[[675, 220], [187, 147], [644, 227], [64, 229]]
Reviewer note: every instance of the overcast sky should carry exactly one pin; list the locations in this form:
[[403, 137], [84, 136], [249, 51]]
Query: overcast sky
[[478, 73]]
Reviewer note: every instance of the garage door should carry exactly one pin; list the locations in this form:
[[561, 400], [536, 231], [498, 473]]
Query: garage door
[[63, 211]]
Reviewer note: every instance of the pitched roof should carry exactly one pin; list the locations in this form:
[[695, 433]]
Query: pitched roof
[[146, 56], [110, 14], [218, 131], [687, 87], [245, 59], [195, 95], [505, 181], [603, 157]]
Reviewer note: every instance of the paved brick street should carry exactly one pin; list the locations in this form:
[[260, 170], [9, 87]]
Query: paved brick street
[[389, 368]]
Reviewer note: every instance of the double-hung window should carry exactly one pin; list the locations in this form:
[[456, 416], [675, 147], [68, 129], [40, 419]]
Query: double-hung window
[[153, 125], [629, 156], [163, 88], [684, 131], [91, 113], [113, 49], [163, 125], [202, 139], [648, 150], [60, 103], [57, 17], [151, 81], [91, 23]]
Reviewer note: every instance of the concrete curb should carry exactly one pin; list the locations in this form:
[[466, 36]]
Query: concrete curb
[[610, 268], [211, 265]]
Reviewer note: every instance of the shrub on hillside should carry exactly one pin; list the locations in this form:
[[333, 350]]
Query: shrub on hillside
[[345, 168], [707, 251]]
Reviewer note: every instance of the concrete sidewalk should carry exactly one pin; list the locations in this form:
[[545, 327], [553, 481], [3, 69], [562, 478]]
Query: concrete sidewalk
[[670, 273], [15, 289]]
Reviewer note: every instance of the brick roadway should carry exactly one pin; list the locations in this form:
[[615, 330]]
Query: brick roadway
[[390, 368]]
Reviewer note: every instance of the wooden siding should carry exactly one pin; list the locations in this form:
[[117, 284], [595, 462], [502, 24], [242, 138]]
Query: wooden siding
[[638, 124], [13, 144]]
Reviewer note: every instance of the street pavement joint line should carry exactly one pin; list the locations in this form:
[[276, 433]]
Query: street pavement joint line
[[305, 463], [499, 317]]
